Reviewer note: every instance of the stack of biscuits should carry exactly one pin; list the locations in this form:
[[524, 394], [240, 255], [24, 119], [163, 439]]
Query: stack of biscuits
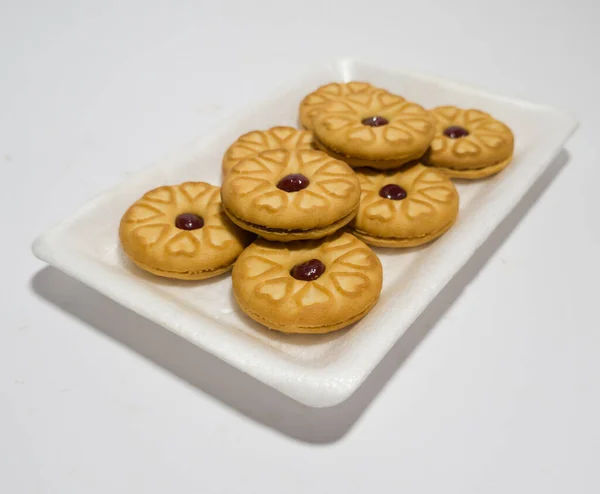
[[298, 208]]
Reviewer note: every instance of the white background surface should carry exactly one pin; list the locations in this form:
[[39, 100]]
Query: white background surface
[[495, 389]]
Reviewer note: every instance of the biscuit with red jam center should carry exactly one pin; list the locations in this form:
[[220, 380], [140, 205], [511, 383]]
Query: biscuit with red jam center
[[376, 129], [404, 208], [181, 232], [308, 287], [291, 195], [469, 144]]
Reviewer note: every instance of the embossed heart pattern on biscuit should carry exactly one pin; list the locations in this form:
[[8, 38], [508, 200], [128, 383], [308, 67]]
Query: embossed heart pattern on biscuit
[[469, 144]]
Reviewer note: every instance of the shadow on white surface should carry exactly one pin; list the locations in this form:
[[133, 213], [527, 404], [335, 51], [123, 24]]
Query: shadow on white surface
[[242, 392]]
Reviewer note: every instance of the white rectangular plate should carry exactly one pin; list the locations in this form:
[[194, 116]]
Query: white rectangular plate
[[318, 371]]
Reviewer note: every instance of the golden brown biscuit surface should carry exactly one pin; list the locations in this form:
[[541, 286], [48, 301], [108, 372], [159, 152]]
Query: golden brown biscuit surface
[[469, 143], [282, 235], [313, 103], [405, 207], [253, 200], [150, 237], [346, 127], [257, 141], [347, 289]]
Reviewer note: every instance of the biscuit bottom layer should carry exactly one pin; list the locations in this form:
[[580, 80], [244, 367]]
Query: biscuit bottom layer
[[297, 234], [475, 173], [355, 162], [326, 328], [182, 275], [401, 241]]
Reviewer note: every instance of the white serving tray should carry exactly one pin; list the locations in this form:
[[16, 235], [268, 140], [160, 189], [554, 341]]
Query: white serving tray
[[318, 370]]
